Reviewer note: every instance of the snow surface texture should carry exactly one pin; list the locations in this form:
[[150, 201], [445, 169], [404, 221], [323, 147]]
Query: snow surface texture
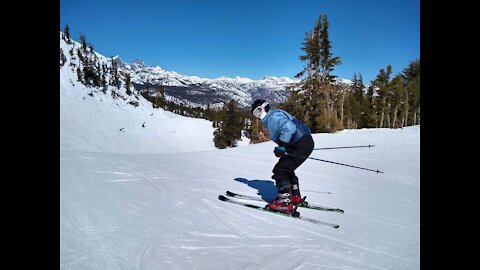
[[146, 197]]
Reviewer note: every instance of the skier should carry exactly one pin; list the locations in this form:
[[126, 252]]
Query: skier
[[293, 137]]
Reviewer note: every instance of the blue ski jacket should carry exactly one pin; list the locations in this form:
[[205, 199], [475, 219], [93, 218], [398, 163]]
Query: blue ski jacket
[[282, 126]]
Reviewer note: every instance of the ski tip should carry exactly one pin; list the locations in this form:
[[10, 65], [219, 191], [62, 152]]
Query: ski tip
[[336, 226], [229, 193], [222, 198]]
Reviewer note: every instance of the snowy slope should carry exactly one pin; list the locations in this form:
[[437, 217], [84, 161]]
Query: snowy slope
[[160, 211], [101, 123], [94, 124], [146, 197], [141, 210]]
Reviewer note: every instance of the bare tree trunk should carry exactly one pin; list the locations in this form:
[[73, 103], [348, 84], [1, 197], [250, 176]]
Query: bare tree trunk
[[335, 121], [327, 103], [308, 108], [418, 116], [395, 117], [332, 103], [383, 112], [381, 117], [341, 108], [406, 109]]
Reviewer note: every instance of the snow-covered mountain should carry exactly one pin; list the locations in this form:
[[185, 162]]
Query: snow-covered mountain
[[198, 91], [195, 91], [107, 119]]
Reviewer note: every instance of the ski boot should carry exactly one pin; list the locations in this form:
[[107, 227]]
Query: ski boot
[[283, 204], [296, 196]]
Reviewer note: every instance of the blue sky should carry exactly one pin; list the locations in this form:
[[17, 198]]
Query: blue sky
[[248, 38]]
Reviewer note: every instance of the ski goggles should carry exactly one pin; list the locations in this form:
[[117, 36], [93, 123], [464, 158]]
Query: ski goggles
[[258, 111]]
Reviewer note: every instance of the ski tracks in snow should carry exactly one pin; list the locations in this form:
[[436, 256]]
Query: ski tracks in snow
[[295, 255], [223, 219], [143, 253], [285, 259]]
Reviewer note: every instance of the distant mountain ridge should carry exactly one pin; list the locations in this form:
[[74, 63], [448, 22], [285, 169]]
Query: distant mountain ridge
[[196, 91]]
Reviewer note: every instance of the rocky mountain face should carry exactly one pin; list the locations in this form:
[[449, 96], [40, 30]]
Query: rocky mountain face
[[196, 91]]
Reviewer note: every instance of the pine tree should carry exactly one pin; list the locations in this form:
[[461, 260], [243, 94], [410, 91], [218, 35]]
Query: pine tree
[[83, 42], [80, 75], [114, 78], [160, 97], [370, 111], [86, 71], [382, 81], [317, 94], [63, 58], [258, 133], [397, 99], [128, 84], [355, 102], [66, 33], [208, 113], [411, 75], [327, 64], [229, 128], [103, 77], [359, 94]]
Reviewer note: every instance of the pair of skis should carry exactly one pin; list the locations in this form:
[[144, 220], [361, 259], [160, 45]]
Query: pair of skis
[[294, 214], [303, 204]]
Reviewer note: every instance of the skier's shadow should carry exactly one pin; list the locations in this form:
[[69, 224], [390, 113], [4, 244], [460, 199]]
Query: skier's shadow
[[265, 188]]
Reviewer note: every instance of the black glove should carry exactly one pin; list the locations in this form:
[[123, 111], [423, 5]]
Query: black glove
[[279, 151]]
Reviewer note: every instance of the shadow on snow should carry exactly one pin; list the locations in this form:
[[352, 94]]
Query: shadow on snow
[[265, 188]]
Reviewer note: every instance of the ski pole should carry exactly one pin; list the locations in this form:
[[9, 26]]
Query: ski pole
[[344, 147], [377, 171]]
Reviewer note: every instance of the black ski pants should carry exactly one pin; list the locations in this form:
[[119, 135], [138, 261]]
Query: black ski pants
[[284, 170]]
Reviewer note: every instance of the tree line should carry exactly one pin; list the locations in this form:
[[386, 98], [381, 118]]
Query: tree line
[[158, 100], [91, 72], [326, 105]]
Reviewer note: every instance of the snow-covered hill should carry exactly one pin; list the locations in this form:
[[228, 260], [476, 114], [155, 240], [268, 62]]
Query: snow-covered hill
[[145, 197], [92, 119], [160, 211]]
